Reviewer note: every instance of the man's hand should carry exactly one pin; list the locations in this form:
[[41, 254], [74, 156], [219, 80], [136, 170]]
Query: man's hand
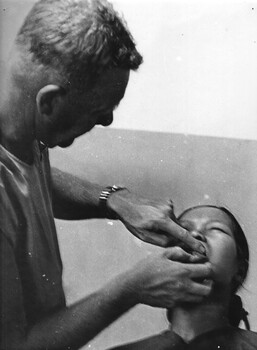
[[170, 278], [152, 222]]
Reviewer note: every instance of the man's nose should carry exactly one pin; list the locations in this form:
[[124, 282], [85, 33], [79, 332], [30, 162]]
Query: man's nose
[[106, 119], [198, 235]]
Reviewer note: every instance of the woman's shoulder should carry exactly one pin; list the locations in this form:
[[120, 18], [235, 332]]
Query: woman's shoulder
[[247, 336], [248, 333], [164, 340]]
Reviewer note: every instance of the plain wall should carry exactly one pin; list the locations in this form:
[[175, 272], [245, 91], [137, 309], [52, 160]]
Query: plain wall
[[199, 78]]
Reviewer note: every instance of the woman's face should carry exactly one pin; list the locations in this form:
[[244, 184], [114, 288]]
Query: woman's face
[[215, 229]]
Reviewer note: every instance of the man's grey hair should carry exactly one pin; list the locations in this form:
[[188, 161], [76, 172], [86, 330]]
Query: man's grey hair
[[79, 39]]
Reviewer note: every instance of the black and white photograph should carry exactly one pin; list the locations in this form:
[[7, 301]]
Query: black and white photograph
[[128, 174]]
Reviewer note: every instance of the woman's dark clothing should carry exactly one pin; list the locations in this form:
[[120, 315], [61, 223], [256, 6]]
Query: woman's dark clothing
[[228, 338]]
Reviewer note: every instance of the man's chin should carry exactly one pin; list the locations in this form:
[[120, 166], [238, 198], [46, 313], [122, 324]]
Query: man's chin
[[66, 143]]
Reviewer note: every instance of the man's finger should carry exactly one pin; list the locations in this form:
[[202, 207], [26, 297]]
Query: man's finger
[[148, 236], [201, 289], [203, 271], [197, 258], [178, 254], [180, 234], [193, 299]]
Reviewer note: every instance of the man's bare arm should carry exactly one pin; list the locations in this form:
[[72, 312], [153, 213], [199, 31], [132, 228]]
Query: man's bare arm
[[149, 220], [74, 198], [155, 281], [69, 328]]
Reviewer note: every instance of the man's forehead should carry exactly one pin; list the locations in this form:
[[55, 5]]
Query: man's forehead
[[111, 85], [113, 78]]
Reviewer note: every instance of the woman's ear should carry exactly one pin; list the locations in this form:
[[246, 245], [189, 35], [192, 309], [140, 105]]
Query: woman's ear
[[48, 98], [236, 282], [239, 277]]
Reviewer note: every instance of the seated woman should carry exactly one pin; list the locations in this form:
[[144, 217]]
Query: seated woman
[[214, 323]]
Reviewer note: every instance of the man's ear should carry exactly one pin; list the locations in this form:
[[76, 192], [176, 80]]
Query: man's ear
[[48, 97]]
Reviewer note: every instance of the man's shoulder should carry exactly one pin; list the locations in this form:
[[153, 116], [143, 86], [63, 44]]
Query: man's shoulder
[[12, 185], [10, 169], [10, 179]]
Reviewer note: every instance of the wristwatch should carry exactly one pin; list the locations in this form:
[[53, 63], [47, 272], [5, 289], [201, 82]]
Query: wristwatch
[[104, 195]]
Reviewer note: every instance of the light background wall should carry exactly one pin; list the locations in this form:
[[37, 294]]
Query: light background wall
[[186, 130]]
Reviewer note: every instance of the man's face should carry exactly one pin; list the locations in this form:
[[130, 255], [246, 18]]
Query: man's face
[[83, 110], [215, 229]]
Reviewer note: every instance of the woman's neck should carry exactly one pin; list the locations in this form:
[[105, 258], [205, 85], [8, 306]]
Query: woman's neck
[[191, 320]]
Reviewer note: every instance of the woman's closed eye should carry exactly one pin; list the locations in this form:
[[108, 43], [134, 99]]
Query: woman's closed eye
[[219, 229]]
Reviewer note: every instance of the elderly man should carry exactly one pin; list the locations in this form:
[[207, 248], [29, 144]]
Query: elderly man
[[68, 70]]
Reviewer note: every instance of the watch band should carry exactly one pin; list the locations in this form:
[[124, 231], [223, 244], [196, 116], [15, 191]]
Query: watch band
[[104, 195]]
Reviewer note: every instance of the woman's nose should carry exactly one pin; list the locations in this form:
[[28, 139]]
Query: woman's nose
[[198, 235]]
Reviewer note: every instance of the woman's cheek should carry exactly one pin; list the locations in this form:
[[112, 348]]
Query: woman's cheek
[[222, 256]]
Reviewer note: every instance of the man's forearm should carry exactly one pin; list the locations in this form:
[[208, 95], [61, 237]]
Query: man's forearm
[[77, 325], [153, 281], [74, 198], [151, 221]]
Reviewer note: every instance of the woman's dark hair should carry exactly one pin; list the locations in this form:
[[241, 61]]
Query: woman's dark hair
[[236, 310]]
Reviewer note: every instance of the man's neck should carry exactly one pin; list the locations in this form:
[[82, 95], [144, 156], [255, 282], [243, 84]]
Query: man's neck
[[189, 321], [16, 123]]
